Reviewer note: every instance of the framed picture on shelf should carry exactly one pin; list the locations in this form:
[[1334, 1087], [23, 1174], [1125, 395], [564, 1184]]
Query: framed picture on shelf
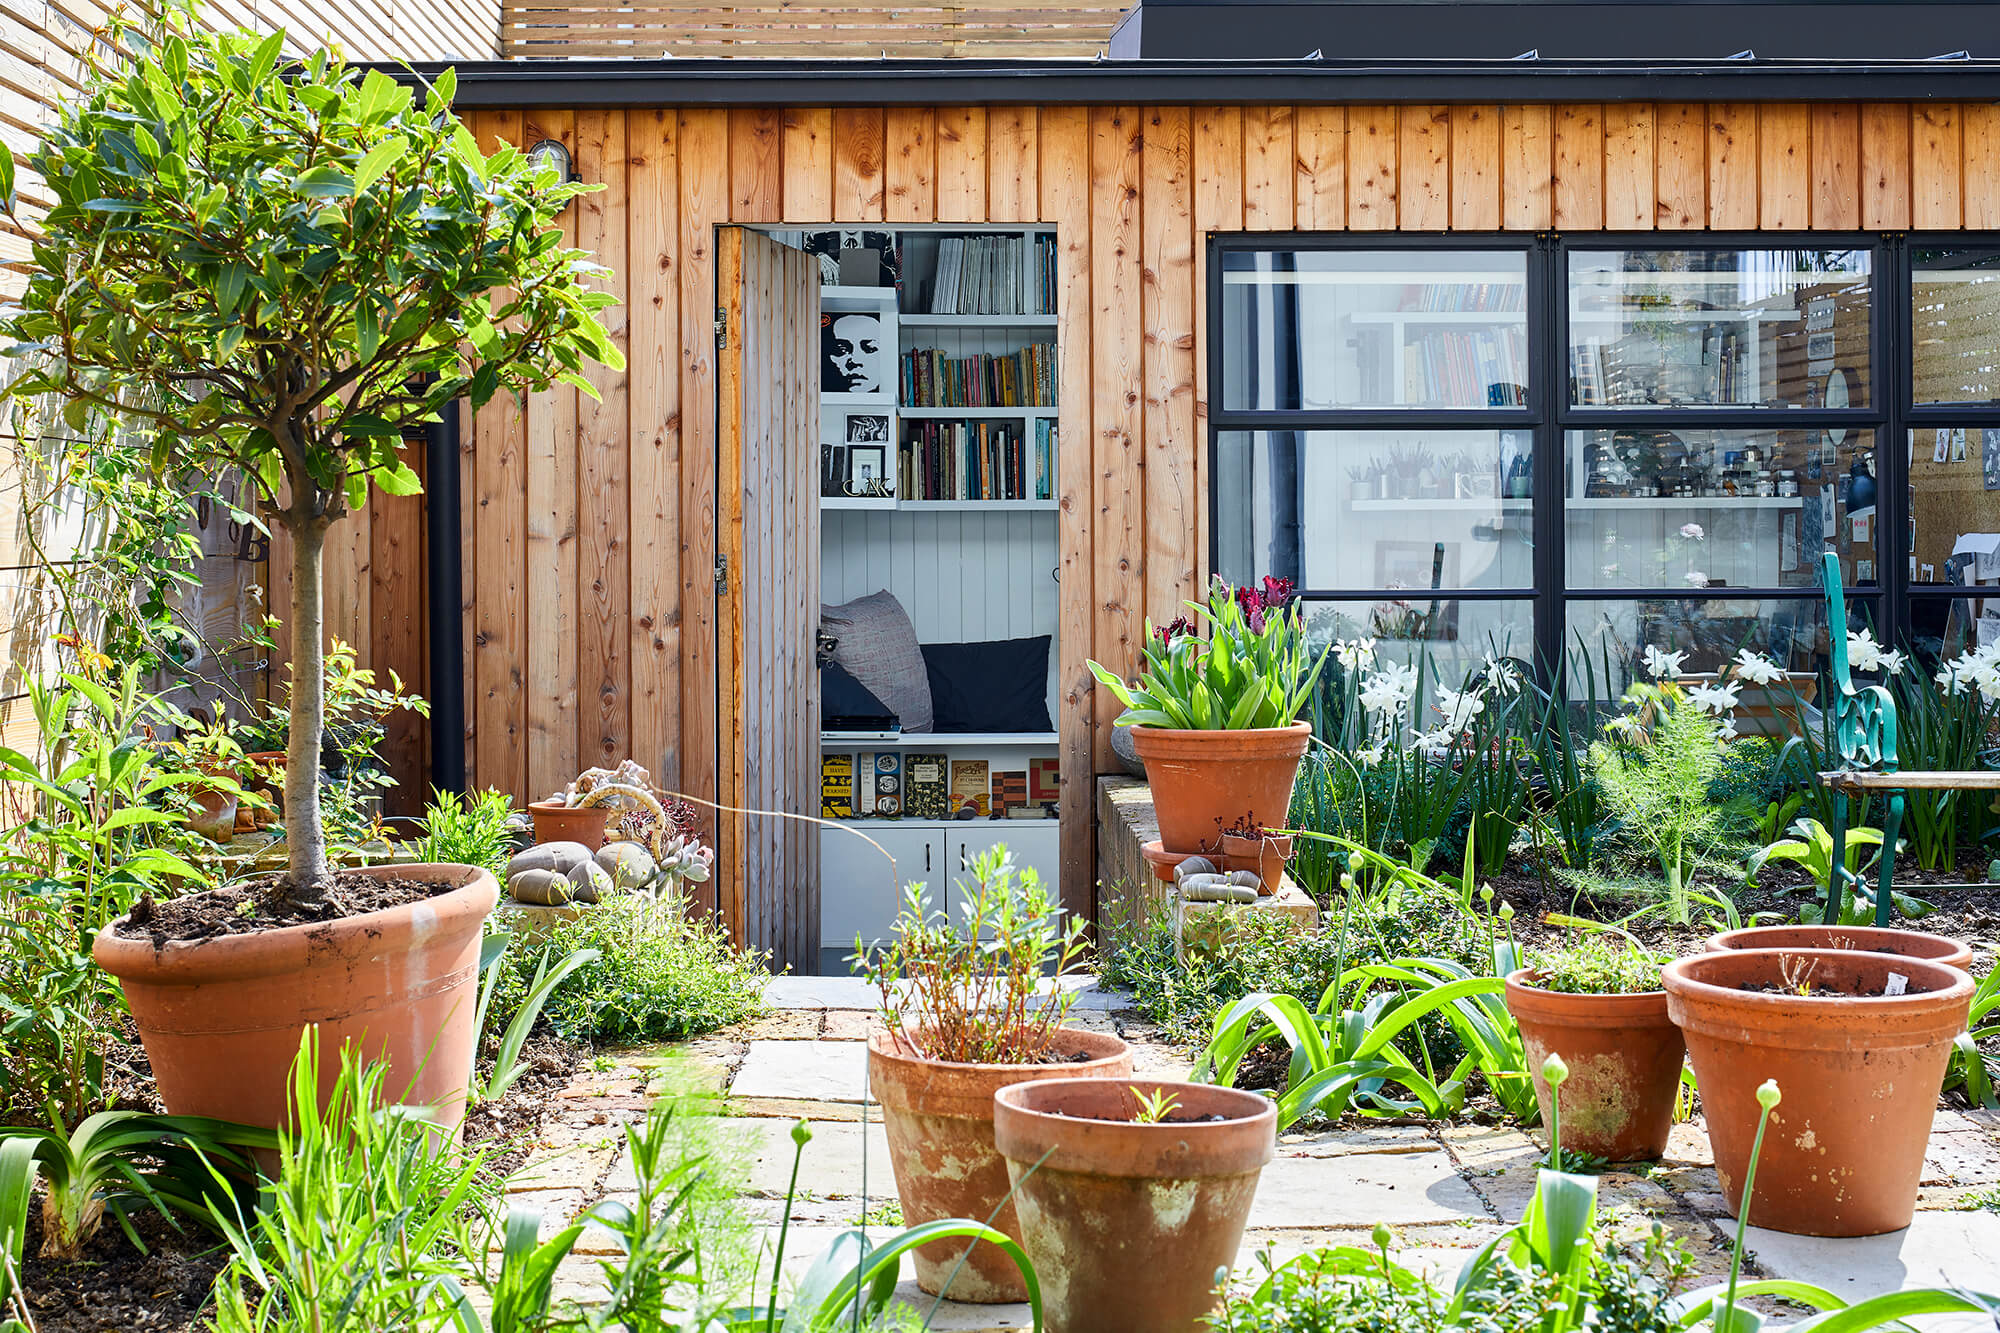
[[1401, 564], [833, 469], [854, 356], [1474, 486], [854, 258], [1788, 542], [868, 470], [867, 428]]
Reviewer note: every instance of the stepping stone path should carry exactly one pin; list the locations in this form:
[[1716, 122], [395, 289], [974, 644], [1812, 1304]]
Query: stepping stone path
[[1446, 1189]]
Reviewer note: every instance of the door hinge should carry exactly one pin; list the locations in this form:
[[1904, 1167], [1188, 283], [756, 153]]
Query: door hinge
[[721, 576], [721, 328]]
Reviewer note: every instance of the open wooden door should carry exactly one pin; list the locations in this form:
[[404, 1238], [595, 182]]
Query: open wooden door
[[767, 602]]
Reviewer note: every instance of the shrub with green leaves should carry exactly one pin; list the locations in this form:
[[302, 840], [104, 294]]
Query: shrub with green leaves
[[657, 974], [1655, 777], [468, 829], [1592, 963]]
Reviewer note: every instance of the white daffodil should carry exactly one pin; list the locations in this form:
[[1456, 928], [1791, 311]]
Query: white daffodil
[[1727, 731], [1863, 653], [1371, 755], [1894, 661], [1717, 699], [1389, 690], [1696, 579], [1955, 676], [1986, 679], [1355, 654], [1757, 668], [1432, 740], [1660, 665], [1459, 708], [1693, 531], [1501, 677]]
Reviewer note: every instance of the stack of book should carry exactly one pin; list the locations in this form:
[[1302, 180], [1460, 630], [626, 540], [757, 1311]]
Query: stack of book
[[928, 377], [976, 460], [994, 275]]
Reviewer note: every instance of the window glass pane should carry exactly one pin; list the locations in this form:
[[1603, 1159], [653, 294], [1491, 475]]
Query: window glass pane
[[1955, 506], [1773, 327], [1718, 508], [1606, 641], [1955, 319], [1389, 509], [1310, 329], [1447, 637]]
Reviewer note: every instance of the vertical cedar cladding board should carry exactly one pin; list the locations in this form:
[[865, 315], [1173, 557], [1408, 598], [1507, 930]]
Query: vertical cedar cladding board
[[1168, 312], [1475, 168], [1578, 174], [604, 444], [1116, 374], [1784, 167], [1424, 177], [652, 494]]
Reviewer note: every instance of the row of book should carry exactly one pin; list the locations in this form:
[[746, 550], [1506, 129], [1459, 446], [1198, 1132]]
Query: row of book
[[976, 460], [1466, 367], [888, 784], [928, 377], [1486, 296], [995, 275]]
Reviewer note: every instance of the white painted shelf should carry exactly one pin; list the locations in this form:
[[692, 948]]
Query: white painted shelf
[[1601, 502], [949, 413], [931, 740], [920, 321], [858, 502], [941, 506], [874, 296]]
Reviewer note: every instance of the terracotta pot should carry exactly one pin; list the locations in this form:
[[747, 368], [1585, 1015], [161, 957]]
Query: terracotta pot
[[1858, 1073], [1127, 1223], [1162, 861], [221, 1018], [1624, 1056], [1867, 939], [1266, 857], [565, 823], [214, 813], [1204, 781], [939, 1120]]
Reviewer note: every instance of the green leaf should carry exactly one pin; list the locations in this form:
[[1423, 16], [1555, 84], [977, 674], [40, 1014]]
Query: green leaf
[[398, 480], [229, 280], [378, 160], [6, 178], [266, 58]]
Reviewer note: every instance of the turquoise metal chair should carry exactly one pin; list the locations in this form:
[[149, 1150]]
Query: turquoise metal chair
[[1864, 725]]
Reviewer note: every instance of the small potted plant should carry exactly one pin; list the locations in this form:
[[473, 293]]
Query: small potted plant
[[969, 1008], [1858, 1040], [1213, 719], [1264, 852], [1597, 1003], [1165, 1172], [207, 749]]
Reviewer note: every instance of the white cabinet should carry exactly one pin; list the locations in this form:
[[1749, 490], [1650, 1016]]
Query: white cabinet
[[858, 899]]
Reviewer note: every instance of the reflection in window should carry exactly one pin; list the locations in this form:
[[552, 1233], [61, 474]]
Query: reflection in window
[[1314, 329], [1955, 320], [1719, 327], [1445, 638], [1392, 509], [1653, 508], [1607, 640]]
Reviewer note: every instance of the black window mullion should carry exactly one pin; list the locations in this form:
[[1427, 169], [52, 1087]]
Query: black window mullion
[[1894, 366], [1548, 354]]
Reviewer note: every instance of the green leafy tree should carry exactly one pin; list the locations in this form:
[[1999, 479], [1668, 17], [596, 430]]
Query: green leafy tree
[[279, 267]]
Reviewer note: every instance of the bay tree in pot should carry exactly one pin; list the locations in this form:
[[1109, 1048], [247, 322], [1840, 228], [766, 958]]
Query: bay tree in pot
[[970, 1007], [1214, 719], [277, 268], [1597, 1003]]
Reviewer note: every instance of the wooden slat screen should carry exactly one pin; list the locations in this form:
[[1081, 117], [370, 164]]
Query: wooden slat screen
[[819, 28]]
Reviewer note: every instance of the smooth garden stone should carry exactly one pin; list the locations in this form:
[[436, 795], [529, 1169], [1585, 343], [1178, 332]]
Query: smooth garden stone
[[540, 887], [629, 865], [820, 993], [1402, 1189], [1935, 1250], [815, 1071], [590, 882], [831, 1166], [560, 857]]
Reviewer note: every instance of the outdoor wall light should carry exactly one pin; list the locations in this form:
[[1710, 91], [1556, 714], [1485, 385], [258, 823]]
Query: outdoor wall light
[[551, 153]]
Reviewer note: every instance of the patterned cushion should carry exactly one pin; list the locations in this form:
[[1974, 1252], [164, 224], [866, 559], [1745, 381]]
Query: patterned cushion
[[875, 643]]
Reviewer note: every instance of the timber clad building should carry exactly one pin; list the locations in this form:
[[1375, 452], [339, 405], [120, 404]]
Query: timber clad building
[[1541, 330]]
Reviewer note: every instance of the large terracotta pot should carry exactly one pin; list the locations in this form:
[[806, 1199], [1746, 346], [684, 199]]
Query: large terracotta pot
[[221, 1018], [938, 1117], [1858, 1073], [1624, 1056], [1127, 1223], [1204, 781], [1868, 939], [568, 823]]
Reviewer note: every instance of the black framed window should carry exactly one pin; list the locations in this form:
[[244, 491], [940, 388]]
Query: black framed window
[[1545, 446]]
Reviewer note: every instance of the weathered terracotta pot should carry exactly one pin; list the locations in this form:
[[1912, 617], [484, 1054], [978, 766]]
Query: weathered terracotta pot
[[1858, 1075], [214, 813], [566, 823], [938, 1117], [1127, 1223], [1203, 781], [1266, 857], [221, 1018], [1868, 939], [1624, 1056]]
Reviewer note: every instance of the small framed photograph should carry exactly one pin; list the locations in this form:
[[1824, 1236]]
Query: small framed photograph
[[1474, 486], [833, 469], [1864, 571], [868, 469], [867, 428]]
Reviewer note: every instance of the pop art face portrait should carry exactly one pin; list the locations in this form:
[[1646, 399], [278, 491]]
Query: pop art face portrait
[[853, 358]]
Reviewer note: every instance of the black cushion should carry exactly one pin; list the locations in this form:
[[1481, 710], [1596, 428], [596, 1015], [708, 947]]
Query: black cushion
[[845, 704], [1000, 685]]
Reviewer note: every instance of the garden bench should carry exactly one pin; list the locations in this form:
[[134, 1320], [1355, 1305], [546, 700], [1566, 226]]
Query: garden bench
[[1865, 729]]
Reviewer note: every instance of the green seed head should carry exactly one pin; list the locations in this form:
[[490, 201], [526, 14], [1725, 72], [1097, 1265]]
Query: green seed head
[[1555, 1071], [802, 1133], [1383, 1235], [1768, 1095], [1506, 911]]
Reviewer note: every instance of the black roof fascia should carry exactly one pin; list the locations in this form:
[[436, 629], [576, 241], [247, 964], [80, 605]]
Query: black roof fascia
[[832, 82]]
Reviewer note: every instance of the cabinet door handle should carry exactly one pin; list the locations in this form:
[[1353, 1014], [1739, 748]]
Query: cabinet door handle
[[927, 858]]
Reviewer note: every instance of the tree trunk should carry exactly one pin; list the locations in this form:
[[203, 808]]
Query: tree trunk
[[305, 834]]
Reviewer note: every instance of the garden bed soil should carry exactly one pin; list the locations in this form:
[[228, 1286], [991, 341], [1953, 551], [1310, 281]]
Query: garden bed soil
[[263, 904]]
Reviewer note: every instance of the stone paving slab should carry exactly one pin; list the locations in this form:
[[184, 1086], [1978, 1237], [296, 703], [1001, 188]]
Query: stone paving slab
[[1937, 1249], [820, 1071], [1402, 1188], [820, 993], [831, 1166]]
